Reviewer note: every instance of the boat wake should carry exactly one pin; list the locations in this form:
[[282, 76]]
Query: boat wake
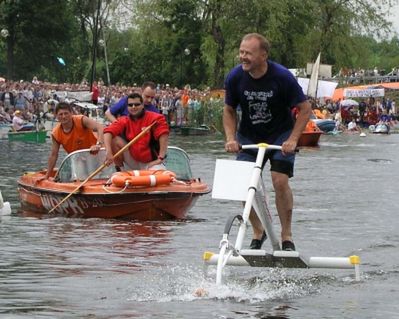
[[184, 283], [380, 160]]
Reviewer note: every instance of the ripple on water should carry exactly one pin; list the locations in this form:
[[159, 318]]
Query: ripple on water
[[344, 204]]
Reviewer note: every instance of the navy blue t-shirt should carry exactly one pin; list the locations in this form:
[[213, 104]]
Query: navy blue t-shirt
[[266, 102]]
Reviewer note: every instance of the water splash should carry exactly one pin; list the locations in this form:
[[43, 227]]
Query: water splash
[[179, 283]]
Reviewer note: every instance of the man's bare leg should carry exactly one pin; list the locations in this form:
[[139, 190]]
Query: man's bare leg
[[117, 144], [284, 203], [256, 225]]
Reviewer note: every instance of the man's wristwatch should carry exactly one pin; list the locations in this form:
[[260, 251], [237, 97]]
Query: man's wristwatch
[[99, 143], [162, 157]]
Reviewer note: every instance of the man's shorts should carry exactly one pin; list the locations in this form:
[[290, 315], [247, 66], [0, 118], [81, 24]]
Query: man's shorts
[[278, 162], [131, 163]]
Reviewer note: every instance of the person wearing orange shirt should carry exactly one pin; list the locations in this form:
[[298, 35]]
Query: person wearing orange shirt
[[73, 132], [185, 98]]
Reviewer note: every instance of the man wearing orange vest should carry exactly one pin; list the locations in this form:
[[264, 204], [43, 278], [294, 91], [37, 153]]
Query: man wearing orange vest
[[73, 132]]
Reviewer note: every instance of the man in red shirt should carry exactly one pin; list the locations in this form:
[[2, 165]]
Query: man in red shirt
[[95, 93], [150, 150]]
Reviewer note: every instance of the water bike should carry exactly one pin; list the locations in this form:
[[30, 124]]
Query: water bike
[[249, 187]]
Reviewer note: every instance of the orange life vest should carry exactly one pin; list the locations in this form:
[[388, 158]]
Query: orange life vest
[[77, 138]]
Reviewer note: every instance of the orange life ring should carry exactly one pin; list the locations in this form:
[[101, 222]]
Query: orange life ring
[[149, 172], [142, 178]]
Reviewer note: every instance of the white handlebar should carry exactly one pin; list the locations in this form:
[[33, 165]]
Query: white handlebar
[[260, 145]]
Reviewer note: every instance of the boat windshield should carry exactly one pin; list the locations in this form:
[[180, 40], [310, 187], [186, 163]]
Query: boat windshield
[[80, 164], [178, 162]]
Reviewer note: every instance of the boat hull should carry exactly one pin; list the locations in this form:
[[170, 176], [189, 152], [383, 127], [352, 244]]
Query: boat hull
[[28, 136], [189, 131], [381, 129], [326, 125], [96, 200], [309, 139]]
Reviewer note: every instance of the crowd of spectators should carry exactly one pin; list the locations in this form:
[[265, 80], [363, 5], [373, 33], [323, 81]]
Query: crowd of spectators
[[368, 111], [36, 97]]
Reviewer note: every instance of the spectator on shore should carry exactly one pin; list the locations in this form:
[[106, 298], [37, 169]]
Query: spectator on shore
[[20, 102], [95, 93], [353, 127], [8, 98]]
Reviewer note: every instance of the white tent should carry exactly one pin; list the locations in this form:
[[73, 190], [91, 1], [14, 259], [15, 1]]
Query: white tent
[[324, 88]]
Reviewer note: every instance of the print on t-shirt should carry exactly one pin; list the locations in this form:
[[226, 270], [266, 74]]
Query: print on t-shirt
[[259, 112]]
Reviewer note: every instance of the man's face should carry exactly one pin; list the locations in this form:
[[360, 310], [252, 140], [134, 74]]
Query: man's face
[[64, 116], [148, 95], [134, 106], [251, 56]]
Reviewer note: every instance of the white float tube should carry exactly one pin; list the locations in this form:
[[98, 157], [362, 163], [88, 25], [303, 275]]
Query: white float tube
[[5, 207]]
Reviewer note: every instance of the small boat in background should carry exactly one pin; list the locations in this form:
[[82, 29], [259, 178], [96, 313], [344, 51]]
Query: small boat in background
[[34, 136], [326, 125], [192, 130], [380, 128], [311, 135], [102, 197], [310, 139]]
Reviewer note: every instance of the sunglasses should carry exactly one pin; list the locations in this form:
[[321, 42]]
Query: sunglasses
[[133, 104]]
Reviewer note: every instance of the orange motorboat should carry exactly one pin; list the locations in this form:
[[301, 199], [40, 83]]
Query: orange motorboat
[[309, 139], [136, 195], [311, 135]]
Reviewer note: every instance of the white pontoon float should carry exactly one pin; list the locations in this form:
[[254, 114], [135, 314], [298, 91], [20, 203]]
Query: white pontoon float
[[240, 174], [5, 207]]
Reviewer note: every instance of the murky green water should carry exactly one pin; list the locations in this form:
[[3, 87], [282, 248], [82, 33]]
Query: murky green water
[[345, 203]]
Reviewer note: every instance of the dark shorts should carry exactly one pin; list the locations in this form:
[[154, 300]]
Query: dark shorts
[[278, 162]]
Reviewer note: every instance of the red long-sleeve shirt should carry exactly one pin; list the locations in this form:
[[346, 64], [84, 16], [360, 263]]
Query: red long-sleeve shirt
[[130, 128]]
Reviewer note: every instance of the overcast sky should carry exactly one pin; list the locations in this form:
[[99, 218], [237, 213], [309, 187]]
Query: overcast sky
[[394, 17]]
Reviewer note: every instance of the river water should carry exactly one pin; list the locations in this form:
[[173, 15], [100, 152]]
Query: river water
[[345, 203]]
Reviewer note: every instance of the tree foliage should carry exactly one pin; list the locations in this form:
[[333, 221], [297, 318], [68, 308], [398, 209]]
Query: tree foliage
[[38, 34], [187, 41]]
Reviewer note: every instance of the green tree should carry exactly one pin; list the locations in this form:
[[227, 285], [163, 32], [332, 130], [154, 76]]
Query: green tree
[[38, 31], [156, 33]]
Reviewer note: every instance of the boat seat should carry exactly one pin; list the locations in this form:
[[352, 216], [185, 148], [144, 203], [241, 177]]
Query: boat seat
[[80, 164]]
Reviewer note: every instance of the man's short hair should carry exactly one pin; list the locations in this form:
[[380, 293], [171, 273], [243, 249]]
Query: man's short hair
[[63, 106], [264, 44], [135, 96], [150, 84]]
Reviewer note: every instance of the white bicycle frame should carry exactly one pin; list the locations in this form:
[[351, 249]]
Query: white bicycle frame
[[256, 198]]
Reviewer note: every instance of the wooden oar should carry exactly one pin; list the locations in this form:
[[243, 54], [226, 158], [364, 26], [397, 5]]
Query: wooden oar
[[98, 170]]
